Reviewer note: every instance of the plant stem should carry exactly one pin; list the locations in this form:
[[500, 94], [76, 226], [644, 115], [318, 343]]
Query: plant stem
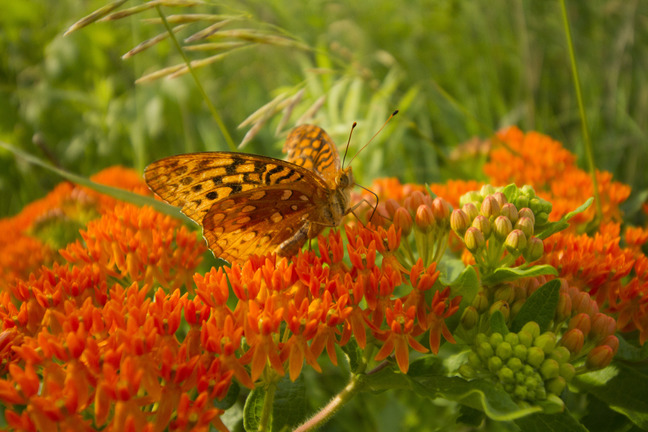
[[201, 89], [331, 408], [268, 401], [589, 154]]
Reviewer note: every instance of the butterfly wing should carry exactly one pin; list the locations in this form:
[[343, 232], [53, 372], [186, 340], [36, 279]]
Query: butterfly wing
[[230, 187], [258, 221], [311, 147]]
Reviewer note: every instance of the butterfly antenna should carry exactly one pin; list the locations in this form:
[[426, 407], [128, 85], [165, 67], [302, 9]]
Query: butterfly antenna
[[346, 150], [375, 206], [376, 134]]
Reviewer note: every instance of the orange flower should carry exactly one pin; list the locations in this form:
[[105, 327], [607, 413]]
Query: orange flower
[[442, 308]]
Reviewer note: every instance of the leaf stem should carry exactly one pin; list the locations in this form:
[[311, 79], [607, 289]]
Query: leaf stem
[[268, 402], [201, 89], [589, 154], [331, 408]]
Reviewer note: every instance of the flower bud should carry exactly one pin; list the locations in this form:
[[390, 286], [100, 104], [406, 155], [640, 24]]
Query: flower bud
[[480, 302], [516, 242], [506, 375], [495, 339], [567, 371], [502, 227], [391, 205], [459, 222], [515, 309], [504, 350], [534, 251], [424, 218], [526, 212], [581, 322], [485, 351], [525, 224], [546, 341], [599, 357], [487, 190], [500, 198], [403, 220], [520, 351], [474, 239], [535, 356], [501, 306], [613, 342], [512, 338], [511, 212], [467, 371], [539, 205], [474, 360], [527, 191], [515, 364], [490, 208], [483, 225], [564, 307], [533, 328], [549, 369], [495, 364], [505, 292], [573, 340], [441, 210], [556, 385], [526, 338], [520, 392], [580, 302], [602, 326], [561, 354], [471, 210], [469, 317], [413, 201]]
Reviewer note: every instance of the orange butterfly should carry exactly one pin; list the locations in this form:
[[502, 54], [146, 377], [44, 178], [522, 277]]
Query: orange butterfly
[[250, 204]]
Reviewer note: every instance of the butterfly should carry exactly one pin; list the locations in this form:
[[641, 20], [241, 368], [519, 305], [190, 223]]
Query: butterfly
[[250, 204]]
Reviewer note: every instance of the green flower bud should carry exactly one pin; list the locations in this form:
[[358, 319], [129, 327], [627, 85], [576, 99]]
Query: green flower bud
[[509, 211], [504, 350], [505, 292], [403, 220], [516, 242], [474, 239], [506, 375], [474, 360], [521, 202], [581, 322], [480, 302], [525, 224], [502, 227], [471, 210], [495, 364], [482, 224], [534, 250], [471, 197], [520, 351], [540, 393], [487, 190], [533, 328], [469, 318], [526, 212], [459, 222], [573, 340], [531, 383], [467, 371], [546, 341], [519, 377], [515, 364], [567, 371], [539, 205], [549, 369], [485, 351], [501, 306], [599, 357], [496, 339], [512, 338], [480, 339], [490, 208], [535, 356], [528, 370], [561, 354], [525, 337], [520, 392], [556, 385], [528, 191]]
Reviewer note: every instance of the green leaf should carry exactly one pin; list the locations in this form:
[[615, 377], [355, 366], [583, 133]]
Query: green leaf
[[230, 398], [117, 193], [507, 274], [253, 408], [498, 323], [554, 227], [622, 388], [466, 285], [450, 269], [510, 192], [539, 307], [289, 408], [353, 354], [560, 422], [631, 352]]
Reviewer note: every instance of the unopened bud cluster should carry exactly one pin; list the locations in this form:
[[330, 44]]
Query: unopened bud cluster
[[490, 225], [528, 365], [423, 218]]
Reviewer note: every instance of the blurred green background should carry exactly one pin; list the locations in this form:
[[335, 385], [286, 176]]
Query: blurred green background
[[455, 69]]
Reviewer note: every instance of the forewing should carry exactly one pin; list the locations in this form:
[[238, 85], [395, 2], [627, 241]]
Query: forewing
[[311, 147], [197, 181], [257, 221]]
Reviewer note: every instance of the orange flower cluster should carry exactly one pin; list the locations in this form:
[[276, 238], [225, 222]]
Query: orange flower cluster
[[537, 160], [87, 342]]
